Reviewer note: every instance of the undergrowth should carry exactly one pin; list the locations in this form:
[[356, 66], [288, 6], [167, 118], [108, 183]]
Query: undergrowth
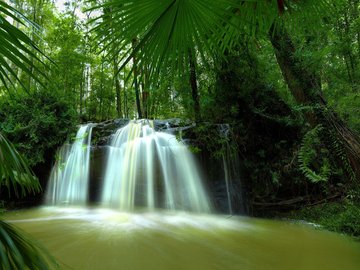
[[341, 217]]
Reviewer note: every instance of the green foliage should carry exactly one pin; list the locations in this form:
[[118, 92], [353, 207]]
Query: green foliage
[[65, 38], [14, 171], [341, 217], [347, 104], [170, 31], [37, 123], [16, 48], [19, 252], [337, 149], [311, 150], [214, 140]]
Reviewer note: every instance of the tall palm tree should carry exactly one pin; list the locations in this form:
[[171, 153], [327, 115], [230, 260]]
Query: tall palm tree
[[17, 251]]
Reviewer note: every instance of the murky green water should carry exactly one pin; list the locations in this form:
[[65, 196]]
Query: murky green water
[[84, 239]]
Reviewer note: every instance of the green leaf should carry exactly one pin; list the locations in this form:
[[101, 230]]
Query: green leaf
[[16, 49], [14, 172], [17, 251], [168, 31]]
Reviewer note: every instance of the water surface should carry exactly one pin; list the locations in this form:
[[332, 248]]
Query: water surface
[[91, 239]]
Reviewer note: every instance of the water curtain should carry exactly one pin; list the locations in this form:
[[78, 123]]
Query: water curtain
[[69, 178], [152, 170], [144, 169]]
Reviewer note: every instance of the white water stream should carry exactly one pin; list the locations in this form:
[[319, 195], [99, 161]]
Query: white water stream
[[69, 179], [151, 170], [145, 169]]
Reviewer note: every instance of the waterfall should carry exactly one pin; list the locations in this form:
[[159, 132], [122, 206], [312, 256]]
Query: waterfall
[[144, 169], [151, 170], [231, 170], [68, 183]]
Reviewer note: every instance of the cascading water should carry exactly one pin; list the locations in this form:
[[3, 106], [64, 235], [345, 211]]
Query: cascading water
[[231, 170], [151, 170], [69, 179]]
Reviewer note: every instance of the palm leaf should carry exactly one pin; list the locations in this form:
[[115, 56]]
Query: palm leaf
[[17, 251], [168, 31], [16, 49], [14, 172]]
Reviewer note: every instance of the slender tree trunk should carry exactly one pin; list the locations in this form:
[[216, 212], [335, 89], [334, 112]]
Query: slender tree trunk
[[145, 94], [349, 52], [102, 116], [117, 89], [81, 97], [194, 88], [136, 84], [306, 89], [145, 100], [126, 109], [118, 97]]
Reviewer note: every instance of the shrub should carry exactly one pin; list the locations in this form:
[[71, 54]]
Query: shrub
[[37, 123]]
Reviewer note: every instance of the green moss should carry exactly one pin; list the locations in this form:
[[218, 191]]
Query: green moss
[[341, 217]]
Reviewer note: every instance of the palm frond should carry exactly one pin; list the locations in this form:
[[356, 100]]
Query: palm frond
[[17, 251], [16, 49], [168, 31], [14, 172]]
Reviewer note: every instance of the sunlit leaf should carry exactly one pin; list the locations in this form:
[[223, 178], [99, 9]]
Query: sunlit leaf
[[168, 31], [16, 49], [17, 251]]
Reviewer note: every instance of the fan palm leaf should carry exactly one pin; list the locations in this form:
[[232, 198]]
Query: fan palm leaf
[[18, 252], [168, 31], [14, 172], [16, 49]]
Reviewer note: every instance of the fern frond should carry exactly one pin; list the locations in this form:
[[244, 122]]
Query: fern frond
[[308, 154]]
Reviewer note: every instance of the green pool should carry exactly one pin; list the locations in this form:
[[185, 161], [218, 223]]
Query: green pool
[[90, 239]]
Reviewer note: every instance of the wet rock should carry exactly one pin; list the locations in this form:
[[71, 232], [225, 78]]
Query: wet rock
[[101, 134], [98, 158]]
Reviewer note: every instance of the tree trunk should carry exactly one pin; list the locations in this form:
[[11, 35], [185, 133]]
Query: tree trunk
[[306, 89], [101, 94], [126, 108], [81, 98], [117, 89], [145, 93], [145, 101], [136, 84], [194, 88]]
